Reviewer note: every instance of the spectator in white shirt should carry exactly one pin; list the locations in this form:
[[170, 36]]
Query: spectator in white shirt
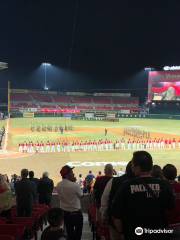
[[70, 194]]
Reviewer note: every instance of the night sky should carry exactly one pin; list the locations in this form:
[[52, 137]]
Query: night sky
[[113, 42]]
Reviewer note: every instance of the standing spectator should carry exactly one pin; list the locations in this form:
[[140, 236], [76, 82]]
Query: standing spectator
[[99, 174], [54, 231], [107, 198], [25, 193], [14, 179], [170, 173], [70, 194], [45, 189], [157, 172], [6, 197], [80, 181], [89, 180], [142, 201], [35, 181], [101, 182]]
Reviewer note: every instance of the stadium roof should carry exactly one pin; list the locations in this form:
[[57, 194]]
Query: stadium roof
[[3, 65]]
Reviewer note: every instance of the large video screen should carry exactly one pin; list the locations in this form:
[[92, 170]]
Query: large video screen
[[164, 86]]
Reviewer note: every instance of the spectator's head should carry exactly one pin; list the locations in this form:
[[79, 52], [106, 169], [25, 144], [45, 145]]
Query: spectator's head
[[45, 174], [14, 177], [80, 175], [99, 173], [24, 173], [156, 171], [108, 170], [90, 172], [55, 217], [170, 172], [129, 171], [67, 173], [31, 174], [141, 162]]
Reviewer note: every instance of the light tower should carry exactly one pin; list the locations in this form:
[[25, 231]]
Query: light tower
[[45, 65]]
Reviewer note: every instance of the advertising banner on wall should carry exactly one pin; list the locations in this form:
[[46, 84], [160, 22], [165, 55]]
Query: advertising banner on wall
[[111, 115], [89, 115]]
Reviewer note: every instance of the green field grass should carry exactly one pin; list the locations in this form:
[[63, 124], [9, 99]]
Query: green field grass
[[154, 125], [53, 161], [151, 125]]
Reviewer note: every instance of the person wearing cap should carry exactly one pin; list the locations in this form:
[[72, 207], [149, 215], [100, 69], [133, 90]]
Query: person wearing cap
[[70, 194]]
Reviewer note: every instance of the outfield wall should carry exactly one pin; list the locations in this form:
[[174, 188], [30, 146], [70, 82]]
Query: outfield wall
[[100, 116]]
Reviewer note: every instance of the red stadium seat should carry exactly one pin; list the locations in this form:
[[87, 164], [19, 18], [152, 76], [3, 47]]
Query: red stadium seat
[[15, 230], [7, 237]]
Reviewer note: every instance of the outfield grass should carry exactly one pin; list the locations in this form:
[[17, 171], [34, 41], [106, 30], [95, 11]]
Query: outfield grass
[[19, 131], [153, 125], [24, 125]]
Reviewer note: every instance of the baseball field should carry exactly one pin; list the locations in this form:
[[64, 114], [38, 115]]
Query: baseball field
[[20, 130]]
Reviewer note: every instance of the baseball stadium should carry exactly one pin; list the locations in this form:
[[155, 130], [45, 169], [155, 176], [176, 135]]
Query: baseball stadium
[[46, 129]]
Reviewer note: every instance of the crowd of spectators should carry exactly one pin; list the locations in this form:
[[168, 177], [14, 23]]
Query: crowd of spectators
[[145, 199]]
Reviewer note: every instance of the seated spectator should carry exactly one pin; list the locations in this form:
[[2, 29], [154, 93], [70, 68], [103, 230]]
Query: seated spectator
[[170, 173], [25, 193], [157, 172], [142, 201], [45, 189], [101, 182], [6, 197], [55, 230]]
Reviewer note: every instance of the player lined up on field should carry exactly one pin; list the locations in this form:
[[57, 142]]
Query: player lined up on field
[[98, 145]]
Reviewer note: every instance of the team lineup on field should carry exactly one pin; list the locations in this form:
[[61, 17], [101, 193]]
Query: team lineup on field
[[86, 142], [100, 145]]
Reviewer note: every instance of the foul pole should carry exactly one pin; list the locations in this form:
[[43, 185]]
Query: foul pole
[[9, 98]]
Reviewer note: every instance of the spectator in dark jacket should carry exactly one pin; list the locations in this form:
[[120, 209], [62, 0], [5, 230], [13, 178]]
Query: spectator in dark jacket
[[25, 192], [45, 189], [35, 181]]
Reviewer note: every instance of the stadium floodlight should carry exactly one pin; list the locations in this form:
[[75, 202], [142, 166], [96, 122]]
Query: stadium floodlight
[[3, 65], [148, 69], [45, 64], [167, 68]]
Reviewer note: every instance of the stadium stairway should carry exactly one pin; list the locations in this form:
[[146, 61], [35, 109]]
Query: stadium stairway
[[87, 234]]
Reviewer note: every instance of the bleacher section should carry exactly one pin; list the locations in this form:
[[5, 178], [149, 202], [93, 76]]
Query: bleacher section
[[26, 99]]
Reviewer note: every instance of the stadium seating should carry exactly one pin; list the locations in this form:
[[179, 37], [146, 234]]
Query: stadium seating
[[81, 100], [53, 100], [102, 100], [21, 97], [41, 97], [7, 237]]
